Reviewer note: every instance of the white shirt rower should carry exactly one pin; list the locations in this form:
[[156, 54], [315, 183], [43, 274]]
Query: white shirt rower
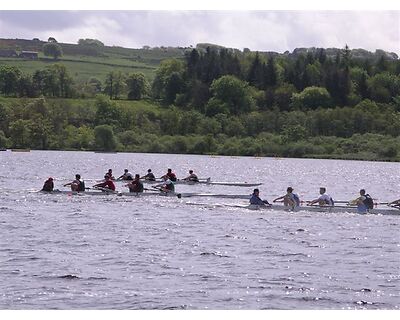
[[126, 176], [324, 199], [166, 186]]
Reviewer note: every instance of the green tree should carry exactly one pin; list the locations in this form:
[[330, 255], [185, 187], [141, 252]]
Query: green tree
[[311, 98], [63, 80], [90, 42], [40, 130], [9, 77], [4, 118], [173, 86], [25, 86], [115, 84], [53, 50], [163, 76], [283, 95], [20, 132], [104, 138], [3, 140], [383, 86], [107, 111], [137, 86], [232, 92]]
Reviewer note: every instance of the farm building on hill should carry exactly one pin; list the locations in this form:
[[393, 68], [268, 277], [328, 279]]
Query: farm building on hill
[[8, 53], [29, 55]]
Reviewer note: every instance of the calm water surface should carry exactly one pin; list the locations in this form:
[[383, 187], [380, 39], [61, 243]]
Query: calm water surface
[[109, 252]]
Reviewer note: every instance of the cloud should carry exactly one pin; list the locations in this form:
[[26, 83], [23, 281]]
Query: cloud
[[258, 30]]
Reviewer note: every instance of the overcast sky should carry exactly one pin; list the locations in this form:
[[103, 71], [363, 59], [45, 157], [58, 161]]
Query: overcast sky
[[258, 30]]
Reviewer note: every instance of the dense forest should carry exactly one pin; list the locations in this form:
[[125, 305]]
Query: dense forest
[[212, 100]]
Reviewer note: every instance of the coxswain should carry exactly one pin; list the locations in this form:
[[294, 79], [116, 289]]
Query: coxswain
[[107, 184], [126, 175], [48, 185], [110, 174], [149, 176], [191, 177], [136, 185], [323, 200], [77, 185], [290, 199], [364, 202], [166, 186], [170, 175], [255, 199]]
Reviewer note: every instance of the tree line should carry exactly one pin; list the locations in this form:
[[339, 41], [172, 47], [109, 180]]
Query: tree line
[[214, 100]]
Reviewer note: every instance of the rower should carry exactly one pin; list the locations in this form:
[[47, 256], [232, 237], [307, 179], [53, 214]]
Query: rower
[[191, 177], [108, 184], [149, 176], [110, 174], [290, 199], [166, 186], [364, 202], [136, 185], [77, 185], [48, 185], [170, 175], [126, 175], [255, 199], [323, 200]]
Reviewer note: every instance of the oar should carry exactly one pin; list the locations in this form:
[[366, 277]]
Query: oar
[[152, 190], [107, 190], [161, 190]]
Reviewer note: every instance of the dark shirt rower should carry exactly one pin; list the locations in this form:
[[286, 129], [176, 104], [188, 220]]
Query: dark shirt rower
[[149, 176], [255, 199], [136, 185], [48, 185]]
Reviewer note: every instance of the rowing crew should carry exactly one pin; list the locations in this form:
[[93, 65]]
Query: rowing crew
[[150, 176], [78, 185], [291, 200]]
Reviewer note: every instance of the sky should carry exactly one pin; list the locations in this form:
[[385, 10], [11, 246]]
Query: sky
[[262, 30]]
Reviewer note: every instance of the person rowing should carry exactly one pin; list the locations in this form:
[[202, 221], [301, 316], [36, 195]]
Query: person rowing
[[77, 185], [149, 176], [136, 185], [48, 185], [170, 175], [110, 174], [364, 202], [107, 184], [290, 199], [166, 186], [255, 199], [191, 177], [323, 200], [126, 175]]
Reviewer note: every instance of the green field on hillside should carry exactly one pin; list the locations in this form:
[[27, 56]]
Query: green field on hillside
[[82, 66], [83, 69]]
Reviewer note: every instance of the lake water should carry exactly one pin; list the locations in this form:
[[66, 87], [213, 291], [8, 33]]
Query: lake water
[[110, 252]]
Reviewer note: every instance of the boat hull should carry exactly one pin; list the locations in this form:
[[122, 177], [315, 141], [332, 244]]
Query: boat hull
[[327, 209], [148, 193]]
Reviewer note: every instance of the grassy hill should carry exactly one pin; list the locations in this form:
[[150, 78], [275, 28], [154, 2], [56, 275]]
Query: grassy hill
[[84, 62]]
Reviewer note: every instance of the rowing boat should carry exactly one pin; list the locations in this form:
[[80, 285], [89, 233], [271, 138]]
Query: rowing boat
[[323, 209], [328, 209], [148, 193], [206, 182]]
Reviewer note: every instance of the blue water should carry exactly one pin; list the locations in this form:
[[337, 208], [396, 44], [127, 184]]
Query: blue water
[[110, 252]]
